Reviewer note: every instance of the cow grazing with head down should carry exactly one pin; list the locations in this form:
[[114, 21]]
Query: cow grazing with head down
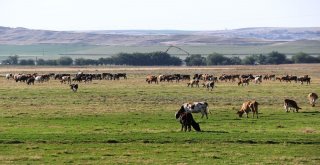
[[74, 87], [288, 104], [196, 107], [186, 120], [312, 98], [247, 107]]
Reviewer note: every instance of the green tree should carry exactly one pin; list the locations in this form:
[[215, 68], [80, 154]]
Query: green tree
[[195, 60], [26, 62], [65, 61], [82, 61], [276, 58], [41, 61], [302, 57], [249, 60], [235, 61], [51, 62], [11, 60], [217, 59]]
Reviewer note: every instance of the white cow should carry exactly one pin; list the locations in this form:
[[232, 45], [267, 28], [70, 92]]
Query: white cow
[[8, 76], [196, 107], [258, 80], [39, 79]]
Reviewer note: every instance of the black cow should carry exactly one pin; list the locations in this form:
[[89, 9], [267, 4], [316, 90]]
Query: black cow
[[74, 87], [30, 81], [186, 120]]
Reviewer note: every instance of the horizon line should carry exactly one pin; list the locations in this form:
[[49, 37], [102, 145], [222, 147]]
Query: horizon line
[[186, 30]]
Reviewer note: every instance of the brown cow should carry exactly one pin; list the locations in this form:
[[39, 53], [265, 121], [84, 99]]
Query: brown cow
[[151, 78], [247, 107], [244, 81], [312, 98], [193, 82]]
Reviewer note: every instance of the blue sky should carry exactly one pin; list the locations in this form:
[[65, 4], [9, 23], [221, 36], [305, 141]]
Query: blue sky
[[158, 14]]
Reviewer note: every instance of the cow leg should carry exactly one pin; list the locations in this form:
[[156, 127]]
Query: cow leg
[[313, 102], [285, 107], [185, 127], [189, 127]]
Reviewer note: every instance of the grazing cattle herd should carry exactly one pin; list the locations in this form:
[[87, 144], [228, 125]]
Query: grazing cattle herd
[[185, 112]]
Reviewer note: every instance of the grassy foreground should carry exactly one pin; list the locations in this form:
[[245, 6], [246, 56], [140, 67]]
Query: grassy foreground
[[132, 122]]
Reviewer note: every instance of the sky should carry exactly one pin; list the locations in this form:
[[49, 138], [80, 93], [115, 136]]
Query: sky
[[158, 14]]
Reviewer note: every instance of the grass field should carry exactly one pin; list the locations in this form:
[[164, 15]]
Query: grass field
[[132, 122]]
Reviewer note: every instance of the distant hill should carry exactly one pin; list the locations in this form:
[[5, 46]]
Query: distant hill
[[246, 36]]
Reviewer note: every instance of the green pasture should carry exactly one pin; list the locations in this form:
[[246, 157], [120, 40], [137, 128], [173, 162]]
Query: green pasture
[[54, 51], [132, 122]]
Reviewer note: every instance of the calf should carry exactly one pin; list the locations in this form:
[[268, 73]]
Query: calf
[[288, 104], [74, 87], [312, 98], [247, 107]]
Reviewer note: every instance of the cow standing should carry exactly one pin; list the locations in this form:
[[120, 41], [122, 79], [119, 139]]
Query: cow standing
[[74, 87], [151, 78], [9, 75], [208, 84], [193, 82], [30, 81], [312, 98], [288, 104], [196, 107]]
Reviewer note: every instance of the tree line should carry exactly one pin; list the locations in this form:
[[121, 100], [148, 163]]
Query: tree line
[[273, 57], [165, 59]]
